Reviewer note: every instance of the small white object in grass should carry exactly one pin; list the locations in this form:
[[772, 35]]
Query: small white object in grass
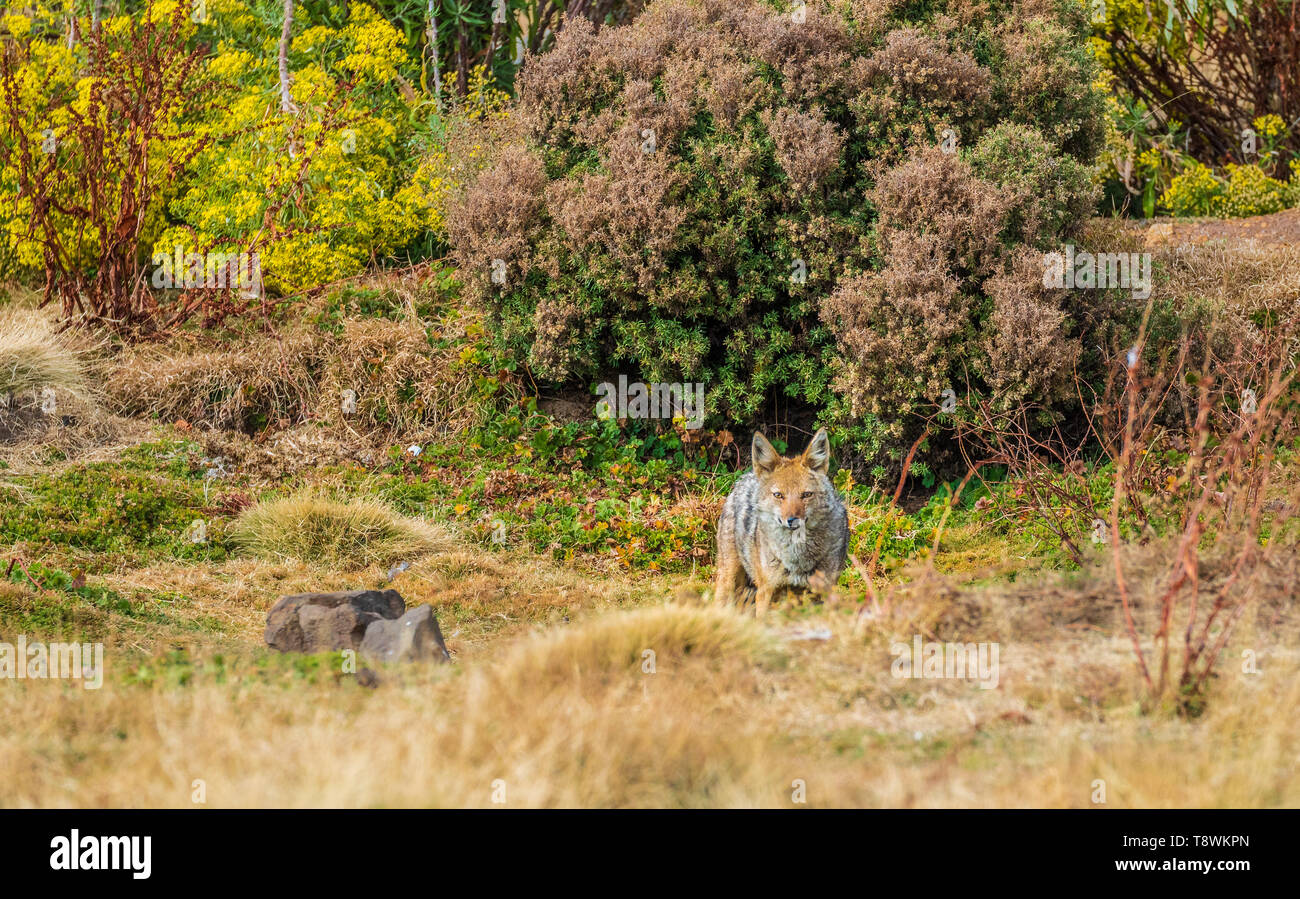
[[216, 468], [398, 569], [348, 402], [414, 449], [198, 531]]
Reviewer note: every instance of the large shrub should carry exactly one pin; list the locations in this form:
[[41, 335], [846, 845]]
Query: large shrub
[[801, 206]]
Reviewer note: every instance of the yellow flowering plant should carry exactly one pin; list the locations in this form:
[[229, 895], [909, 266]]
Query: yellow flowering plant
[[92, 139], [356, 168], [1241, 190], [317, 193], [37, 72]]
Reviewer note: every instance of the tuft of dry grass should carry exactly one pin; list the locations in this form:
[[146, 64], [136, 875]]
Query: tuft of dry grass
[[310, 526], [401, 384], [33, 356], [644, 638]]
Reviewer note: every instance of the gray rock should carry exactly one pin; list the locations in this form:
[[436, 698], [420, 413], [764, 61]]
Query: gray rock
[[415, 637], [340, 627], [320, 622]]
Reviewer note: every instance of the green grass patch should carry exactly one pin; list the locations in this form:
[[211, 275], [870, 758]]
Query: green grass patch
[[146, 506], [67, 606]]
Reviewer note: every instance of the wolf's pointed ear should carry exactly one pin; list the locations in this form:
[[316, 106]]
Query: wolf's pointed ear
[[818, 454], [764, 454]]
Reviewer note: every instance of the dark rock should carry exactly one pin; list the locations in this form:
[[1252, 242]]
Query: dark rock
[[414, 637], [341, 627], [320, 622]]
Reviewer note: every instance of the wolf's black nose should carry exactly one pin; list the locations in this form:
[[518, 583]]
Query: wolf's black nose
[[792, 523]]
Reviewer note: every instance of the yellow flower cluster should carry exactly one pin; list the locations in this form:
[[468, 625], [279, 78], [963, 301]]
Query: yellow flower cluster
[[1251, 192], [1269, 125], [374, 46], [17, 26], [348, 206], [1196, 191], [1247, 190], [1149, 158]]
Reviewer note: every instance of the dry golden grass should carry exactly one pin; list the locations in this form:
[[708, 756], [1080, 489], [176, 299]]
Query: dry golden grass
[[570, 717], [205, 381], [402, 385], [80, 432], [348, 532], [480, 597], [620, 642], [1232, 273], [403, 388], [1242, 277], [33, 356]]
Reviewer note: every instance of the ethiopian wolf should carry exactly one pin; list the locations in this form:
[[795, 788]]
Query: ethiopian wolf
[[783, 526]]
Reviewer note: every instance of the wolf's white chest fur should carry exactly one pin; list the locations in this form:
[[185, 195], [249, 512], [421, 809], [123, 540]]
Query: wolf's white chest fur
[[789, 548]]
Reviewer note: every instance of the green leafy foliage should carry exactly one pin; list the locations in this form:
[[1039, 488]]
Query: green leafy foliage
[[125, 508]]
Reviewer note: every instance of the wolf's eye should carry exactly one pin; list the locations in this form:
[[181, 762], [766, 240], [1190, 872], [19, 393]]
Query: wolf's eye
[[778, 494], [805, 494]]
